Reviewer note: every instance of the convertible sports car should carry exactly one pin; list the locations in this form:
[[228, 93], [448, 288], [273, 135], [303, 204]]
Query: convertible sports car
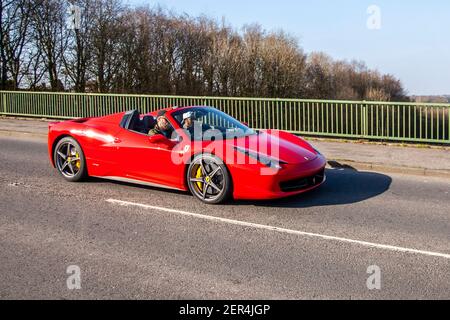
[[201, 150]]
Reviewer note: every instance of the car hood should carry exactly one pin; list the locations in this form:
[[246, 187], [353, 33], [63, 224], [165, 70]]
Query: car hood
[[279, 145]]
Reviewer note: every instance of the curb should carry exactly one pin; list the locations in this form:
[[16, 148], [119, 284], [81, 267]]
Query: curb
[[333, 164], [377, 167]]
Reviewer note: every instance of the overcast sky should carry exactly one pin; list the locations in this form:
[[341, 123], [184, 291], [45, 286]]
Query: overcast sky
[[413, 43]]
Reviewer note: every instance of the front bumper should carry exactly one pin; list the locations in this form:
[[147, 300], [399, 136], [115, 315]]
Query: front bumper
[[292, 179]]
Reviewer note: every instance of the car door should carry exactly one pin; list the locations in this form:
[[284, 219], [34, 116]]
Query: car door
[[150, 161]]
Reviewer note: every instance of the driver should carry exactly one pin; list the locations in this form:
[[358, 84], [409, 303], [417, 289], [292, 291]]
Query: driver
[[162, 125], [188, 120]]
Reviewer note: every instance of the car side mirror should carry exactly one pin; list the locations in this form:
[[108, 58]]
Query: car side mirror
[[157, 138]]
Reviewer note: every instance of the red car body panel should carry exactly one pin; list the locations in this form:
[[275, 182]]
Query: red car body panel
[[113, 152]]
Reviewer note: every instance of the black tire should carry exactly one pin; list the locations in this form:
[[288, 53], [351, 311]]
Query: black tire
[[70, 160], [208, 179]]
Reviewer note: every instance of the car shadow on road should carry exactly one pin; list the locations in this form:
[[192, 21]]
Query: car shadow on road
[[344, 185]]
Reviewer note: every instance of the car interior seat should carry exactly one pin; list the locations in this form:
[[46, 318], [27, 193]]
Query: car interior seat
[[136, 124], [148, 123]]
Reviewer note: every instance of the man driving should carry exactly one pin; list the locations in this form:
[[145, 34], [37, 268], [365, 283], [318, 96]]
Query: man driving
[[162, 125], [188, 120]]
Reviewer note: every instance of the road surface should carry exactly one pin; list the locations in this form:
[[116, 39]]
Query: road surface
[[134, 242]]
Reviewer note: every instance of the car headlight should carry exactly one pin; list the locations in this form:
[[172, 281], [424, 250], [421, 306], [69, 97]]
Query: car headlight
[[263, 159]]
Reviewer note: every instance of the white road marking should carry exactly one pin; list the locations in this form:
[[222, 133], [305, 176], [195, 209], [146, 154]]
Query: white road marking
[[281, 230]]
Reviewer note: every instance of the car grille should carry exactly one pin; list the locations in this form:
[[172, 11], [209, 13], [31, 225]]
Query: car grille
[[303, 183]]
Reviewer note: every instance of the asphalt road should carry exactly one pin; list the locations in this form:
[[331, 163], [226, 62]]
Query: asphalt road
[[174, 247]]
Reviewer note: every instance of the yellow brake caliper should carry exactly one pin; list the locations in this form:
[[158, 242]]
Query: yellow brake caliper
[[198, 176], [78, 163]]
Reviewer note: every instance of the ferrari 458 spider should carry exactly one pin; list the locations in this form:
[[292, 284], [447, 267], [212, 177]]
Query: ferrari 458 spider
[[196, 149]]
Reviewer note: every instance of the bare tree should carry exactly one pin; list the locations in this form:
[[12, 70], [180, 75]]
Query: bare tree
[[16, 38], [49, 26], [283, 66], [77, 56], [4, 6], [34, 60], [14, 22], [318, 76], [105, 35]]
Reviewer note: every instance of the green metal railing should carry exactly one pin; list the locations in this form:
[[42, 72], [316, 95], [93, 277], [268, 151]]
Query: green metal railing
[[408, 122]]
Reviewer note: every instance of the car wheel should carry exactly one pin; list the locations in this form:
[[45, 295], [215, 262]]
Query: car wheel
[[208, 179], [69, 160]]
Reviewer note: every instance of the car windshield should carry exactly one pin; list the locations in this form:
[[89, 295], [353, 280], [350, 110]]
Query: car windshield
[[207, 123]]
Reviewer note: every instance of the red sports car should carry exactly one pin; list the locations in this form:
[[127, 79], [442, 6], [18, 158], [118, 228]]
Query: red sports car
[[199, 149]]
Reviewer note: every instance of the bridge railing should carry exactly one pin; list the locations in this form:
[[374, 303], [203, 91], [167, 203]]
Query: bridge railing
[[408, 122]]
